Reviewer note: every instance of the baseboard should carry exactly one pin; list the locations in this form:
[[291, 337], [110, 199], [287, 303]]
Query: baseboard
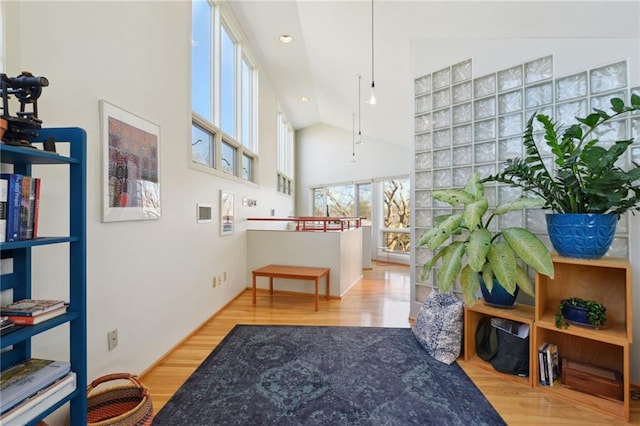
[[187, 337]]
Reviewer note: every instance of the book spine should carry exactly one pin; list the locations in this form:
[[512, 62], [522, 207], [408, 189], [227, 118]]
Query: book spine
[[14, 194], [541, 364], [36, 207], [546, 365], [20, 320], [24, 207], [4, 184], [552, 360]]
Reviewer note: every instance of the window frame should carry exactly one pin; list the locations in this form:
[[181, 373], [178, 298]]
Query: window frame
[[244, 145], [285, 154]]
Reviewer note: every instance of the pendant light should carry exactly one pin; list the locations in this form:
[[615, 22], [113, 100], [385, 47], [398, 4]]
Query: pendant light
[[360, 141], [353, 138], [372, 99]]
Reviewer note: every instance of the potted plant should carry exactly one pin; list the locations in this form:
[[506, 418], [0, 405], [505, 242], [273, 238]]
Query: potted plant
[[468, 249], [580, 311], [588, 186]]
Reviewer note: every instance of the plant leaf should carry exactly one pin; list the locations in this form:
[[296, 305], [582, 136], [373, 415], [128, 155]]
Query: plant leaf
[[487, 276], [519, 203], [444, 231], [427, 266], [523, 281], [530, 249], [470, 285], [503, 264], [477, 248], [453, 196], [451, 265], [474, 187], [473, 213]]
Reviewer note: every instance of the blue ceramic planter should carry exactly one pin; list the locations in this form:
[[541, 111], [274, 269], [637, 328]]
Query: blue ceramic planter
[[575, 313], [498, 296], [581, 235]]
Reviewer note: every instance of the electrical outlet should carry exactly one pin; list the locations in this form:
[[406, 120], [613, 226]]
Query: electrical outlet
[[112, 339], [219, 280], [224, 276], [215, 282]]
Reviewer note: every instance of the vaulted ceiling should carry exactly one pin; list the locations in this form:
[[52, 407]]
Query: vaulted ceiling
[[332, 45]]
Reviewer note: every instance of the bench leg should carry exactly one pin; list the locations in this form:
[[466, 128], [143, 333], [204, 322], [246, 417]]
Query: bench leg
[[317, 297], [254, 288], [328, 295], [271, 285]]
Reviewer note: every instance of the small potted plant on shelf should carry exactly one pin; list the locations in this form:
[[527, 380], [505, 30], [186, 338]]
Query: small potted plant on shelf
[[589, 187], [582, 312], [467, 248]]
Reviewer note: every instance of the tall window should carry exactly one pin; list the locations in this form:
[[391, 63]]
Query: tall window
[[285, 155], [363, 191], [223, 95], [396, 215]]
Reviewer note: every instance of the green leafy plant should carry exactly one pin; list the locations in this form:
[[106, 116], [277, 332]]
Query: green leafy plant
[[596, 312], [587, 178], [466, 246]]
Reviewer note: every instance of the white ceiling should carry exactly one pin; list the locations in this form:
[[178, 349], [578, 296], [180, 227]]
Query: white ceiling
[[332, 45]]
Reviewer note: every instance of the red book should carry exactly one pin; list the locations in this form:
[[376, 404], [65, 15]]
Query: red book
[[36, 207], [21, 320]]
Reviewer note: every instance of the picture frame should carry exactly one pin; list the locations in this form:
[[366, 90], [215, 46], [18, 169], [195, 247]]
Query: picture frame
[[227, 208], [130, 165]]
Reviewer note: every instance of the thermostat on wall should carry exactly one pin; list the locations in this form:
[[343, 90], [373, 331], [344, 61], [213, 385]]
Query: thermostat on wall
[[203, 213]]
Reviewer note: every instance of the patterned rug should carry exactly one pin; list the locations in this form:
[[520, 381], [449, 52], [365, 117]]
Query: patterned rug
[[295, 375]]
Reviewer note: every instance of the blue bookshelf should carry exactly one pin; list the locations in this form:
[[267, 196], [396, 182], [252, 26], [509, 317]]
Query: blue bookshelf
[[16, 346]]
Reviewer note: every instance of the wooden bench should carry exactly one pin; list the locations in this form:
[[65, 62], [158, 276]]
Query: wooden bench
[[291, 272]]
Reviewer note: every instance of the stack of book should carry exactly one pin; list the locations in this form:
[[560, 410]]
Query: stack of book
[[19, 207], [7, 326], [549, 364], [30, 387], [31, 312]]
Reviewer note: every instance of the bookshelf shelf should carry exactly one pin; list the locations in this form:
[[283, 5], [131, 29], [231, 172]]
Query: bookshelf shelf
[[472, 316], [607, 281], [16, 346]]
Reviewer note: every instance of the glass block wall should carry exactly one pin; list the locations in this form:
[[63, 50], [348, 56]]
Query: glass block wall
[[465, 124]]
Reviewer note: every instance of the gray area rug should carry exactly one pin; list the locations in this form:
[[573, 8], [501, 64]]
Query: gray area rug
[[297, 375]]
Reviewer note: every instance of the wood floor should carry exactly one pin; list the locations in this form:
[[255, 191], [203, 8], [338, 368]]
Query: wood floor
[[381, 299]]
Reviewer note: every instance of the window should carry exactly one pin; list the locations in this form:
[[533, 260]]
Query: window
[[223, 95], [364, 202], [285, 154], [227, 82], [396, 212], [341, 200], [202, 146], [318, 202], [229, 158]]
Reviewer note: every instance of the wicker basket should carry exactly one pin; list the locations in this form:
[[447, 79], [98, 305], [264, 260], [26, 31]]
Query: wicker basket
[[125, 405]]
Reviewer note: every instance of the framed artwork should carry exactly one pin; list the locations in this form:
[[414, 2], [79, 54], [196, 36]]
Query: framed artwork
[[227, 200], [130, 166]]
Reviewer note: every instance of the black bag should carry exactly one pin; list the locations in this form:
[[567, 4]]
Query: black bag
[[507, 352]]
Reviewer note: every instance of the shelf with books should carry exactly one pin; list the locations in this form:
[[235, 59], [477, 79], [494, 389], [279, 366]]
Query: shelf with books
[[17, 345], [473, 314], [608, 281]]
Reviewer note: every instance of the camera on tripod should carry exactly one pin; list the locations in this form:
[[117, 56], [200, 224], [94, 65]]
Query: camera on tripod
[[26, 88]]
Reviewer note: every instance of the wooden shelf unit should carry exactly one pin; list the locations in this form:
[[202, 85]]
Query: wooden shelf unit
[[472, 315], [607, 281]]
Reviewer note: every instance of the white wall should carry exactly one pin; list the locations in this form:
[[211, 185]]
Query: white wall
[[569, 56], [152, 280]]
